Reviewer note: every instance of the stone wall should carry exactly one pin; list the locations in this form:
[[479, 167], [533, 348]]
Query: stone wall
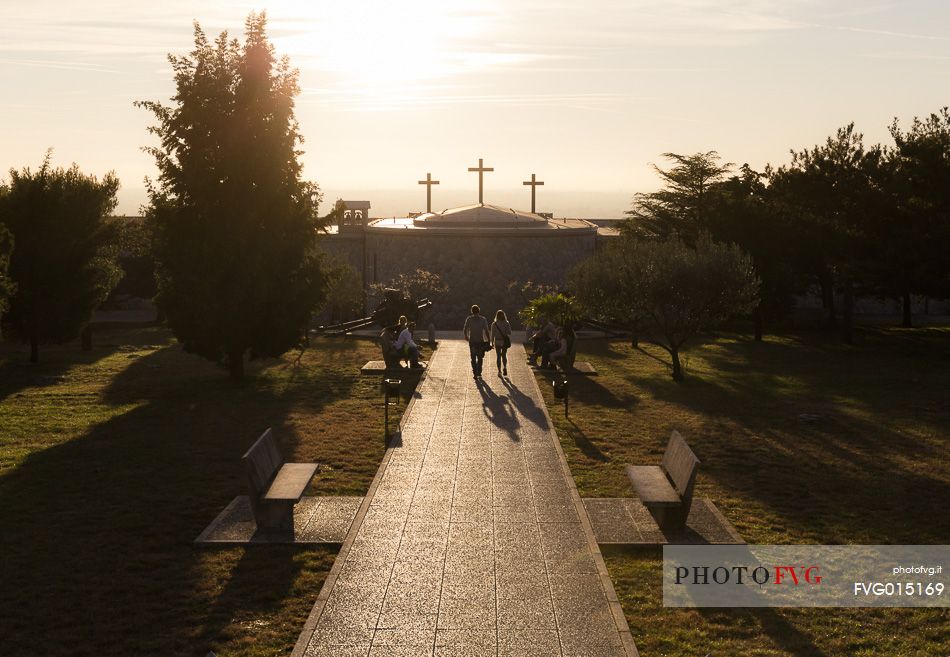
[[486, 270]]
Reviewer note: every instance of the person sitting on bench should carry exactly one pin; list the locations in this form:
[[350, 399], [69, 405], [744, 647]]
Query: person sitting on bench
[[404, 343], [560, 356], [546, 337], [553, 349]]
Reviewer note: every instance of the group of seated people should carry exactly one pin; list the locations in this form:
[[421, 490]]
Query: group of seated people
[[553, 345], [400, 344]]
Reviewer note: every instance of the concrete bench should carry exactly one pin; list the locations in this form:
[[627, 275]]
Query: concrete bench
[[666, 490], [274, 487]]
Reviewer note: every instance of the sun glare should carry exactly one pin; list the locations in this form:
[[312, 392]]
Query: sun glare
[[379, 43]]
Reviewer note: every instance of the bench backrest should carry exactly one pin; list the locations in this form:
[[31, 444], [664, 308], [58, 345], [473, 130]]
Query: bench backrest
[[261, 463], [571, 351], [681, 465]]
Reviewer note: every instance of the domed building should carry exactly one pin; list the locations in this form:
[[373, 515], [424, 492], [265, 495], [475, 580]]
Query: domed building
[[484, 253]]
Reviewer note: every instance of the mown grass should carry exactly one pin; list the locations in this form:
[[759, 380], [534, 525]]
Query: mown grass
[[112, 462], [802, 440]]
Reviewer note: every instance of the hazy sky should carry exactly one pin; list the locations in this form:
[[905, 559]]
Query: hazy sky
[[584, 94]]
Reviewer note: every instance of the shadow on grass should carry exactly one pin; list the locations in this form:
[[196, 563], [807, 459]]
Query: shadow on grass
[[97, 531], [56, 361], [589, 449], [790, 420]]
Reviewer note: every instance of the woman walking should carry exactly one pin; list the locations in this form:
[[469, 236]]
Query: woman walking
[[501, 341], [476, 332]]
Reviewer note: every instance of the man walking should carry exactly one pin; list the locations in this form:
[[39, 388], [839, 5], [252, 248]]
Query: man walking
[[476, 332]]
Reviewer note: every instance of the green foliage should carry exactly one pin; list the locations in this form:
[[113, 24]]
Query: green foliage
[[683, 206], [673, 290], [235, 226], [345, 297], [837, 195], [745, 216], [335, 216], [917, 240], [64, 259], [7, 286], [554, 306], [416, 285], [135, 258]]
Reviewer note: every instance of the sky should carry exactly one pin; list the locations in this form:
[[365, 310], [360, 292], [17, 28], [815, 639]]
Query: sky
[[586, 95]]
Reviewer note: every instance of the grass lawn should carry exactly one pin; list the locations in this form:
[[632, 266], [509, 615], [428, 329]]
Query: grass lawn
[[113, 461], [873, 468]]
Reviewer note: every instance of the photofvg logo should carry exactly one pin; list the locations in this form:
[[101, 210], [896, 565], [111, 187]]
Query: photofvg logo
[[788, 575], [805, 575]]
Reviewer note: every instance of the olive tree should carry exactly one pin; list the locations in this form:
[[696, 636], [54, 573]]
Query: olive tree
[[675, 291]]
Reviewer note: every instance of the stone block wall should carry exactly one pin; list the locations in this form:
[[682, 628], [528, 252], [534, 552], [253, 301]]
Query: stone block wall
[[487, 270]]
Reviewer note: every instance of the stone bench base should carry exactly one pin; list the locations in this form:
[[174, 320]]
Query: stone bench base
[[378, 367], [625, 521], [580, 367], [316, 520]]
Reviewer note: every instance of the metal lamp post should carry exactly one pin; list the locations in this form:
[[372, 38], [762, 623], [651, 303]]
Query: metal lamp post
[[561, 389], [390, 389]]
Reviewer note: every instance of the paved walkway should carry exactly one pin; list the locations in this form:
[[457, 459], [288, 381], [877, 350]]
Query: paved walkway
[[472, 540]]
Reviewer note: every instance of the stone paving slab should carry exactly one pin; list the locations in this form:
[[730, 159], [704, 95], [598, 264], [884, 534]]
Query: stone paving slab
[[316, 520], [472, 539], [625, 521]]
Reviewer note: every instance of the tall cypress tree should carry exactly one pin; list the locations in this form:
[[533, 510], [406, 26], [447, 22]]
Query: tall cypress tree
[[6, 285], [64, 257], [235, 226]]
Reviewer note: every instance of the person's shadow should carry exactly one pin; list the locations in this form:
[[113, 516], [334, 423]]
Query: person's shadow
[[499, 409], [525, 405]]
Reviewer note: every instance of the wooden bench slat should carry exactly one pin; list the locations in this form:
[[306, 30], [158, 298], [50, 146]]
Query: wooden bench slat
[[291, 481], [652, 486], [680, 463]]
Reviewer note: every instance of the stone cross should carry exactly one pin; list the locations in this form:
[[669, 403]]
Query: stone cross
[[534, 183], [481, 168], [428, 182]]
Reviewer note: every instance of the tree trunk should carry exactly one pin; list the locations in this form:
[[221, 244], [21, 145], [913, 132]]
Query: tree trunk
[[634, 338], [757, 318], [827, 282], [677, 367], [34, 346], [847, 312], [236, 363], [907, 320]]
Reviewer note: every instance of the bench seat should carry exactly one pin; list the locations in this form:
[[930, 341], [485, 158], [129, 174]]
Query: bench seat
[[652, 486], [291, 481], [666, 490], [274, 487]]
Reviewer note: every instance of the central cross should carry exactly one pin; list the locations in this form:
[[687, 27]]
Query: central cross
[[534, 183], [428, 182], [481, 168]]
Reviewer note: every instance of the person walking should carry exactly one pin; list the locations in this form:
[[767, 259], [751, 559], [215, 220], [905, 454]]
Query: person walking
[[477, 334], [501, 341]]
